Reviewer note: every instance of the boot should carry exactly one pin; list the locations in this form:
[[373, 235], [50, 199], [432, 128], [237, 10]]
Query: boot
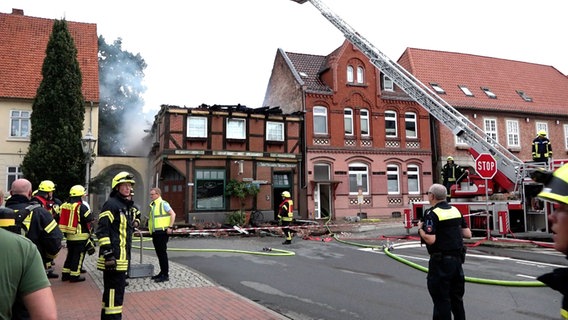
[[52, 275], [65, 277], [77, 279], [287, 242]]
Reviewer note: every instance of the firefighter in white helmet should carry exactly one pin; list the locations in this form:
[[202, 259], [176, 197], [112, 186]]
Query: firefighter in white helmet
[[286, 215], [556, 191]]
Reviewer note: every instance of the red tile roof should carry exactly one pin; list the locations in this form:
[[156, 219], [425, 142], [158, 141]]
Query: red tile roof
[[23, 41], [309, 66], [547, 86]]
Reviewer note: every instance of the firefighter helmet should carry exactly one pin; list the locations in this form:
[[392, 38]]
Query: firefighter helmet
[[450, 158], [46, 186], [542, 133], [557, 189], [286, 194], [122, 177], [77, 191]]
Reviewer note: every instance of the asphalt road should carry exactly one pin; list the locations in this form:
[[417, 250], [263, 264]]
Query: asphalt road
[[339, 280]]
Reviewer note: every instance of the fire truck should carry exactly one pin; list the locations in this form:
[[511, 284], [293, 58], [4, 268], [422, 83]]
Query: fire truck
[[506, 203]]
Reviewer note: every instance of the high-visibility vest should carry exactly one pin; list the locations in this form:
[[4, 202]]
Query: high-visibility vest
[[159, 219], [69, 217]]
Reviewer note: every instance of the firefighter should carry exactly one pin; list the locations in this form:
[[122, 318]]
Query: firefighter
[[541, 148], [37, 223], [44, 194], [286, 215], [452, 174], [114, 231], [75, 221], [556, 191]]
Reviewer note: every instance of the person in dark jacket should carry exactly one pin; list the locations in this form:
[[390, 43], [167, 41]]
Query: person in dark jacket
[[541, 148], [556, 191], [452, 174], [443, 230], [39, 225], [116, 224]]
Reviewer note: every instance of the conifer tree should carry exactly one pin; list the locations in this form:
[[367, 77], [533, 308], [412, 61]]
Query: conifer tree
[[58, 113]]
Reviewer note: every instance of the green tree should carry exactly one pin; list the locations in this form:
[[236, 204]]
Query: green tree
[[241, 190], [58, 113], [121, 118]]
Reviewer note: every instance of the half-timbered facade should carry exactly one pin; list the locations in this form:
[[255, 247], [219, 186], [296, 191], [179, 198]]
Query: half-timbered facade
[[198, 151]]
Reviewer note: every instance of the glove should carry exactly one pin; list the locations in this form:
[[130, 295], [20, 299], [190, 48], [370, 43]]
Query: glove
[[110, 260], [90, 247]]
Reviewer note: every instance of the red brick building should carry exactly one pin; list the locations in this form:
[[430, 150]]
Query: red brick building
[[198, 151], [367, 143]]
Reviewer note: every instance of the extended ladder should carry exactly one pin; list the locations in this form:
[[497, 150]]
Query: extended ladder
[[507, 163]]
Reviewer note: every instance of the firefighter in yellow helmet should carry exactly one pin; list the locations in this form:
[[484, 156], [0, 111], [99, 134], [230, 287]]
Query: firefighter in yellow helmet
[[116, 224], [286, 215], [556, 191], [452, 174], [75, 222], [541, 148]]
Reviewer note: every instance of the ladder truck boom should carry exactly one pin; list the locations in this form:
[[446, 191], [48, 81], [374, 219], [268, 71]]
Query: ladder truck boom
[[507, 163]]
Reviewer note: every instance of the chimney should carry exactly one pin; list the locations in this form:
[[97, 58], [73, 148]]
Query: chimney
[[18, 12]]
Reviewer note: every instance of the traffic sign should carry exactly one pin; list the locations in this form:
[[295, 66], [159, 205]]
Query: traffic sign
[[485, 166]]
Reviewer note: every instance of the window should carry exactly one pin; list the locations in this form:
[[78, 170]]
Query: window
[[321, 172], [364, 122], [197, 127], [320, 120], [489, 93], [393, 185], [14, 173], [390, 123], [274, 131], [281, 180], [513, 137], [410, 124], [466, 91], [524, 96], [360, 75], [413, 179], [490, 128], [388, 84], [349, 74], [348, 121], [20, 123], [541, 126], [437, 88], [565, 137], [358, 178], [236, 128], [459, 140], [209, 189]]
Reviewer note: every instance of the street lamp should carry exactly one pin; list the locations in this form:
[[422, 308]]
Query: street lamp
[[88, 143]]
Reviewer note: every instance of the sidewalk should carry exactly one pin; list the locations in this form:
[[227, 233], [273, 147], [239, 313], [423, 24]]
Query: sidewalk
[[188, 295]]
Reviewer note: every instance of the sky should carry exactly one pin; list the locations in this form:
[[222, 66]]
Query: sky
[[222, 51]]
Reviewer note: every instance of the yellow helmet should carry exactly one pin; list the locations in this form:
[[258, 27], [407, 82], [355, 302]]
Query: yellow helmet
[[46, 186], [77, 191], [286, 194], [122, 177], [450, 158], [556, 190], [542, 133]]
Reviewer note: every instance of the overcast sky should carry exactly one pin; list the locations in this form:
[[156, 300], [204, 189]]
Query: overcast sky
[[222, 51]]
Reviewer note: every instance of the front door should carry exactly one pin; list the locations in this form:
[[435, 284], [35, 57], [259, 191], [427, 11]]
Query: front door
[[322, 198], [173, 191]]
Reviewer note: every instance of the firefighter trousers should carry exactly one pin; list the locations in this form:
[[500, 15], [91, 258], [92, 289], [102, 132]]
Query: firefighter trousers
[[74, 259], [113, 294], [446, 285]]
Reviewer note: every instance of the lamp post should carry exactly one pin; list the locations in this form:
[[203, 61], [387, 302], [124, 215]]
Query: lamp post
[[88, 143]]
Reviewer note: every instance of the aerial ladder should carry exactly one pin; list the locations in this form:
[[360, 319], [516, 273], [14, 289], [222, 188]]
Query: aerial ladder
[[509, 167]]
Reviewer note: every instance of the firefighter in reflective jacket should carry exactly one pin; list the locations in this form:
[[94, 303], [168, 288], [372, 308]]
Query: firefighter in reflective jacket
[[541, 148], [556, 190], [44, 195], [452, 174], [75, 221], [114, 231], [37, 223], [286, 216]]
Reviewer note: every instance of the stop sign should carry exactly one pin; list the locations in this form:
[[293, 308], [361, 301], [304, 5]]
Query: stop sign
[[486, 166]]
